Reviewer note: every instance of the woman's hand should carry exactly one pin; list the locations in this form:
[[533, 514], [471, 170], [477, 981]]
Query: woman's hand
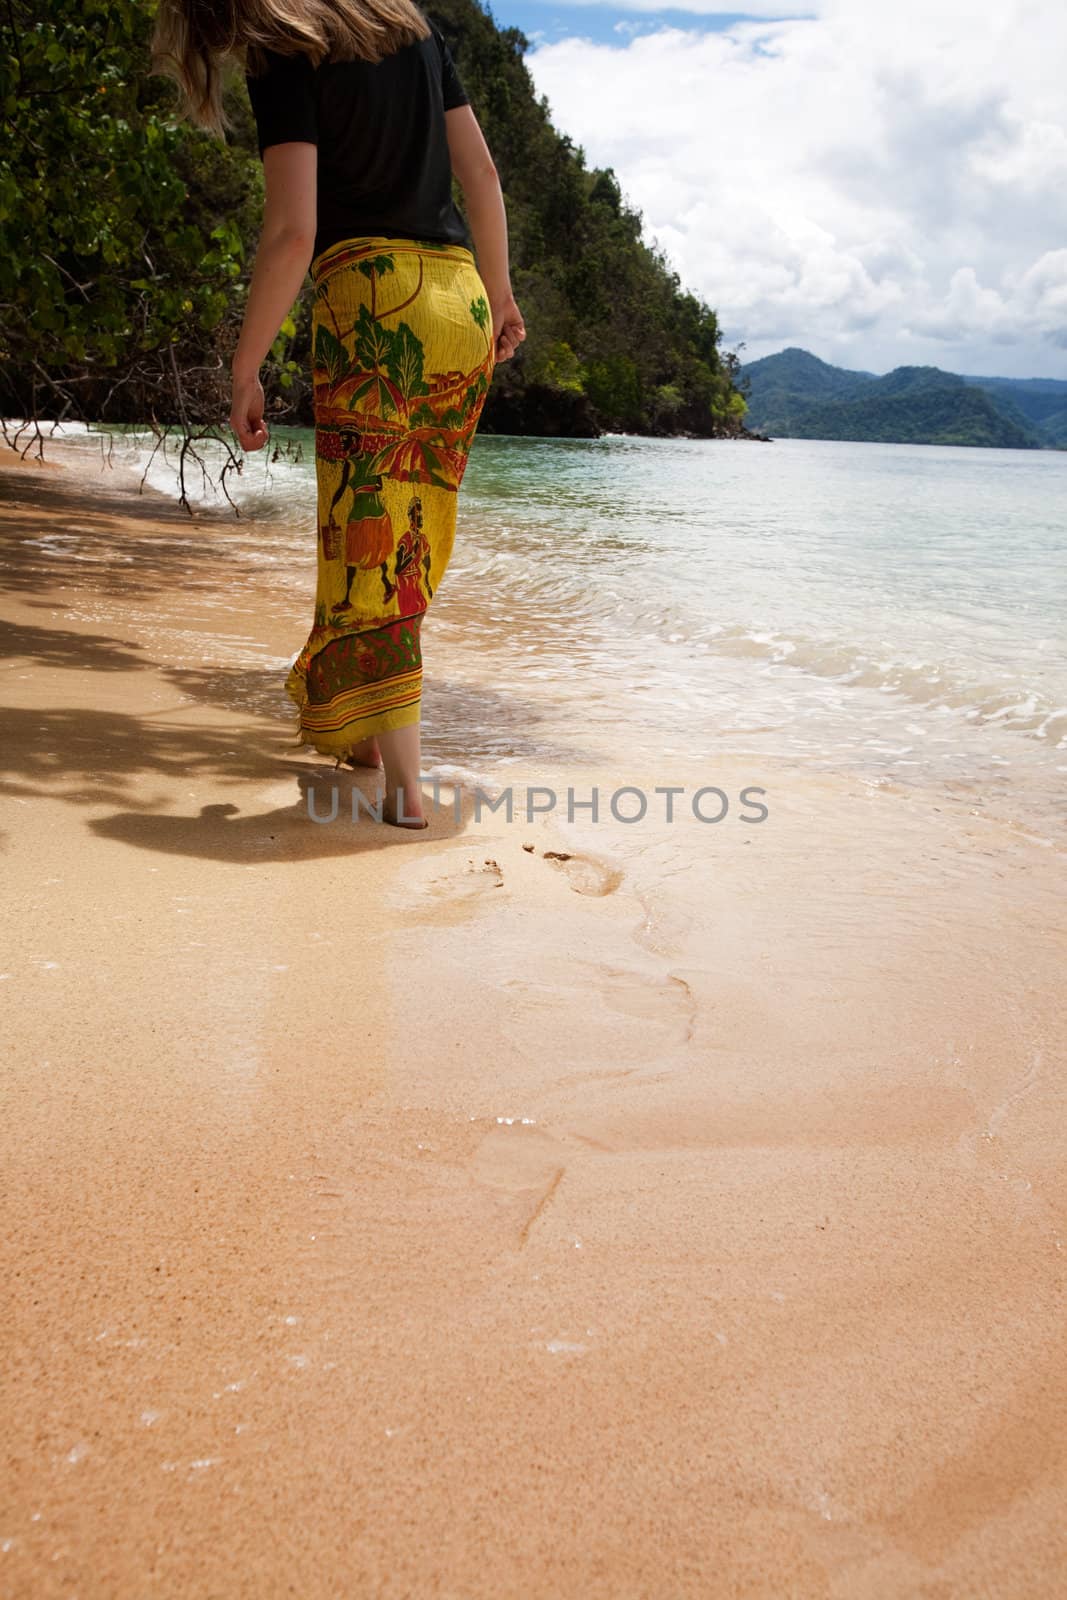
[[508, 328], [246, 412]]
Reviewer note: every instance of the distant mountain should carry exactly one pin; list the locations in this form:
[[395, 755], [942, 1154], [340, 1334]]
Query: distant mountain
[[795, 395], [1042, 401]]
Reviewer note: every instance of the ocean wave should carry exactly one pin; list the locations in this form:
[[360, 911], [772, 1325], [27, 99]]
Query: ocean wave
[[929, 684]]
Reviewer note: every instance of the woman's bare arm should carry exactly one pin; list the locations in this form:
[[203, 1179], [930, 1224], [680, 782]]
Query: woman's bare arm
[[476, 171], [283, 256]]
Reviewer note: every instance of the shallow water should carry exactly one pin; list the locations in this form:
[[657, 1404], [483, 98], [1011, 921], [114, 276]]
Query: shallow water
[[890, 611]]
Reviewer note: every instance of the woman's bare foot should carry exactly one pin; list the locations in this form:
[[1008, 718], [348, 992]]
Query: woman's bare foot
[[366, 754], [403, 810], [400, 751]]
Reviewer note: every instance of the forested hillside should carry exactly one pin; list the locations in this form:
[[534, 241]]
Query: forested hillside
[[126, 244], [1040, 403], [795, 395]]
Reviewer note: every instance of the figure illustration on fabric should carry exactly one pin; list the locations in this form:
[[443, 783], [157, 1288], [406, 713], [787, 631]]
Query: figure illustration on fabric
[[369, 539], [411, 569]]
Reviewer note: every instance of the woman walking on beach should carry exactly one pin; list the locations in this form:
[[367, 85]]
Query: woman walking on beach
[[362, 120]]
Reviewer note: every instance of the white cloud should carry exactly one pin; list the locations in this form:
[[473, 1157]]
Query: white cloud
[[879, 183]]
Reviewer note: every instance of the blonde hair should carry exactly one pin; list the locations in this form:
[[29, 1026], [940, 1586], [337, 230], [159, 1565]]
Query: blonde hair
[[194, 39]]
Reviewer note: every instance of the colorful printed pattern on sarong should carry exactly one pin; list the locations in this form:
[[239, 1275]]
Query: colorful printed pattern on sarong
[[357, 679], [402, 361]]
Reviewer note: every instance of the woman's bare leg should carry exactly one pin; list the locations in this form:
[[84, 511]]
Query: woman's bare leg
[[401, 752], [365, 754]]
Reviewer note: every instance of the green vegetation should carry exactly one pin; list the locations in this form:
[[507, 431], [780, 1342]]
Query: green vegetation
[[121, 236], [795, 395], [126, 244], [1038, 403], [614, 341]]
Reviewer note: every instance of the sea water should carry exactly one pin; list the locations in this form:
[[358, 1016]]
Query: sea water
[[895, 612]]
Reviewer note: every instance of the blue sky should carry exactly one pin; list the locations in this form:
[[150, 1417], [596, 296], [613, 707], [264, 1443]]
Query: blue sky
[[547, 23], [879, 181]]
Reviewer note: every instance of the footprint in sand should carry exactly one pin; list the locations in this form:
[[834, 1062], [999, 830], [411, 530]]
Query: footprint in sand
[[463, 877], [585, 874], [524, 1166], [459, 876]]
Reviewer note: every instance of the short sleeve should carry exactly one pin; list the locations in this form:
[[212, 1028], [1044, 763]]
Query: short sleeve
[[283, 100], [452, 89]]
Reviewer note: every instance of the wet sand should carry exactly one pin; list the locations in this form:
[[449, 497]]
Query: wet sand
[[521, 1209]]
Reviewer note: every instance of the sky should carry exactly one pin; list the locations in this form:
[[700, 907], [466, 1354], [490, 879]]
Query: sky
[[882, 182]]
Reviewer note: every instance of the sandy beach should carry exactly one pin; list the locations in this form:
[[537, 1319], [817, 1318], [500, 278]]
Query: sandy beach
[[527, 1209]]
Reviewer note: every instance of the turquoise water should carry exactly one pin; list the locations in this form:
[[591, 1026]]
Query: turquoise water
[[888, 610], [939, 575]]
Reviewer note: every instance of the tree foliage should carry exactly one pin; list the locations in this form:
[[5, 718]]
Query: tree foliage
[[124, 237], [126, 243], [584, 276]]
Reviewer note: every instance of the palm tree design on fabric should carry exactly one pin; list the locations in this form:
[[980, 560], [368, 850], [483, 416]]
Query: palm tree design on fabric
[[412, 425]]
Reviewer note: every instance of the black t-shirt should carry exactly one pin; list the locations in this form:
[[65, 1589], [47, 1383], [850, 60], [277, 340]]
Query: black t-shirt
[[383, 161]]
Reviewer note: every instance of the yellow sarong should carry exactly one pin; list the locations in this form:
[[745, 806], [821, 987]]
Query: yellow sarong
[[402, 351]]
